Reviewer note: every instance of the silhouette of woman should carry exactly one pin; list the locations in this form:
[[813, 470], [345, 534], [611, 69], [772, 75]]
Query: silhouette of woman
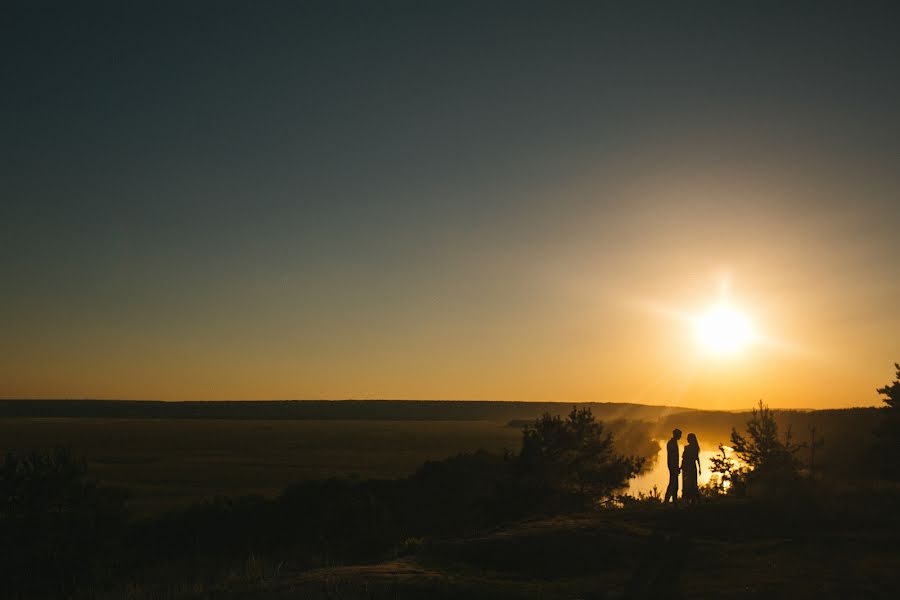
[[690, 467]]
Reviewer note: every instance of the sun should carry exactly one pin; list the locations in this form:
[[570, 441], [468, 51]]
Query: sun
[[723, 330]]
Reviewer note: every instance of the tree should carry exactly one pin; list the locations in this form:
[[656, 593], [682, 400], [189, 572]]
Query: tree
[[887, 434], [768, 458], [574, 457], [891, 392], [726, 469]]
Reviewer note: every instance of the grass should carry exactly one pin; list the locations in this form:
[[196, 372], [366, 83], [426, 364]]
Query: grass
[[841, 545], [170, 463], [640, 552]]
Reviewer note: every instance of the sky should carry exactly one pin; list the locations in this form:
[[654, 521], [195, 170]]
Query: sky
[[449, 200]]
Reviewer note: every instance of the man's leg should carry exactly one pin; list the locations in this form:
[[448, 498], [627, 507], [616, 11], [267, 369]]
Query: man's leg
[[675, 487], [672, 490]]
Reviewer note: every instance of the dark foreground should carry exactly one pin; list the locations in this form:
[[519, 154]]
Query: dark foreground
[[723, 549], [545, 521]]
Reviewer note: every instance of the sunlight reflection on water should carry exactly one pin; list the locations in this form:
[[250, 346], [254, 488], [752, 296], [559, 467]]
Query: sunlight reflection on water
[[659, 474]]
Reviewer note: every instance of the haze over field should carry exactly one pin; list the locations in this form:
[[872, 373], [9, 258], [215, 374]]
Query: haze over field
[[450, 201]]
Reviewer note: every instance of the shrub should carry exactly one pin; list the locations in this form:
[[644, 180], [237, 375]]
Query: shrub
[[891, 392], [770, 461], [573, 458], [55, 525], [887, 434]]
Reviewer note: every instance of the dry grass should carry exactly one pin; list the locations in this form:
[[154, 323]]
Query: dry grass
[[169, 463]]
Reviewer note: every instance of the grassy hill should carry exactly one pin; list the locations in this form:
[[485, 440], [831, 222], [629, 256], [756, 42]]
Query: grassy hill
[[723, 550]]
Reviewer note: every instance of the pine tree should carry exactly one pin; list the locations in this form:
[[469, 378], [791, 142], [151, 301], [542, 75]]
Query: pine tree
[[765, 454], [574, 456], [891, 392]]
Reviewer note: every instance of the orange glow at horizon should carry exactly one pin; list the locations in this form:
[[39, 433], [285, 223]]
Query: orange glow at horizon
[[561, 314]]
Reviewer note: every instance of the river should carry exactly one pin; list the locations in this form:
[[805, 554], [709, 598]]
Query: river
[[659, 474]]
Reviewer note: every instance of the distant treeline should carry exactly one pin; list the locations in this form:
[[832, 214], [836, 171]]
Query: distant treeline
[[716, 425], [392, 410]]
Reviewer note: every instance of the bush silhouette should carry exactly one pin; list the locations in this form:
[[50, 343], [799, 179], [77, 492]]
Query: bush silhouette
[[56, 525], [727, 470], [891, 392], [887, 433], [573, 459], [770, 461]]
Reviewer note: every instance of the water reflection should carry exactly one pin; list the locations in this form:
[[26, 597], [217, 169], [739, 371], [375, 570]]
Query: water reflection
[[658, 475]]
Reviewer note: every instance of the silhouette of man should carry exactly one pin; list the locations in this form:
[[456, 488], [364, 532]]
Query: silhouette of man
[[672, 460]]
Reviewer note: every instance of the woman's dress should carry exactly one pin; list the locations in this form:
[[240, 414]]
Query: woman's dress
[[689, 472]]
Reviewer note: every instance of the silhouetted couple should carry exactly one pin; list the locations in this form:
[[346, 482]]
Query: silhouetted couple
[[690, 468]]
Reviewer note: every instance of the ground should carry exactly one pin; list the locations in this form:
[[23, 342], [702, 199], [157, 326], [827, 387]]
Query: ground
[[172, 463], [633, 553]]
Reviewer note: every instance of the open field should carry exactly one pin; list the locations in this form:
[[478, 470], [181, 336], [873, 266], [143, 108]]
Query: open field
[[455, 529], [168, 463], [173, 462]]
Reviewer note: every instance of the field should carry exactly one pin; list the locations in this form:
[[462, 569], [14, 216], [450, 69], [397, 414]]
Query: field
[[168, 463], [454, 530]]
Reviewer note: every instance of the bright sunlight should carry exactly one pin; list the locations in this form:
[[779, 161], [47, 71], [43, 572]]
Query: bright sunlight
[[723, 330]]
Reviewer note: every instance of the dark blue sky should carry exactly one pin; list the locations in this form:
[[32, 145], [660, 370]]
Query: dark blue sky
[[304, 199]]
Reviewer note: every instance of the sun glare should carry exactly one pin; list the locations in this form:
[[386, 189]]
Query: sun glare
[[723, 330]]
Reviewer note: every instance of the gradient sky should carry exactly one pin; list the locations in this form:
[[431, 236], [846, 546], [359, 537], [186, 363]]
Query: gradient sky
[[490, 200]]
